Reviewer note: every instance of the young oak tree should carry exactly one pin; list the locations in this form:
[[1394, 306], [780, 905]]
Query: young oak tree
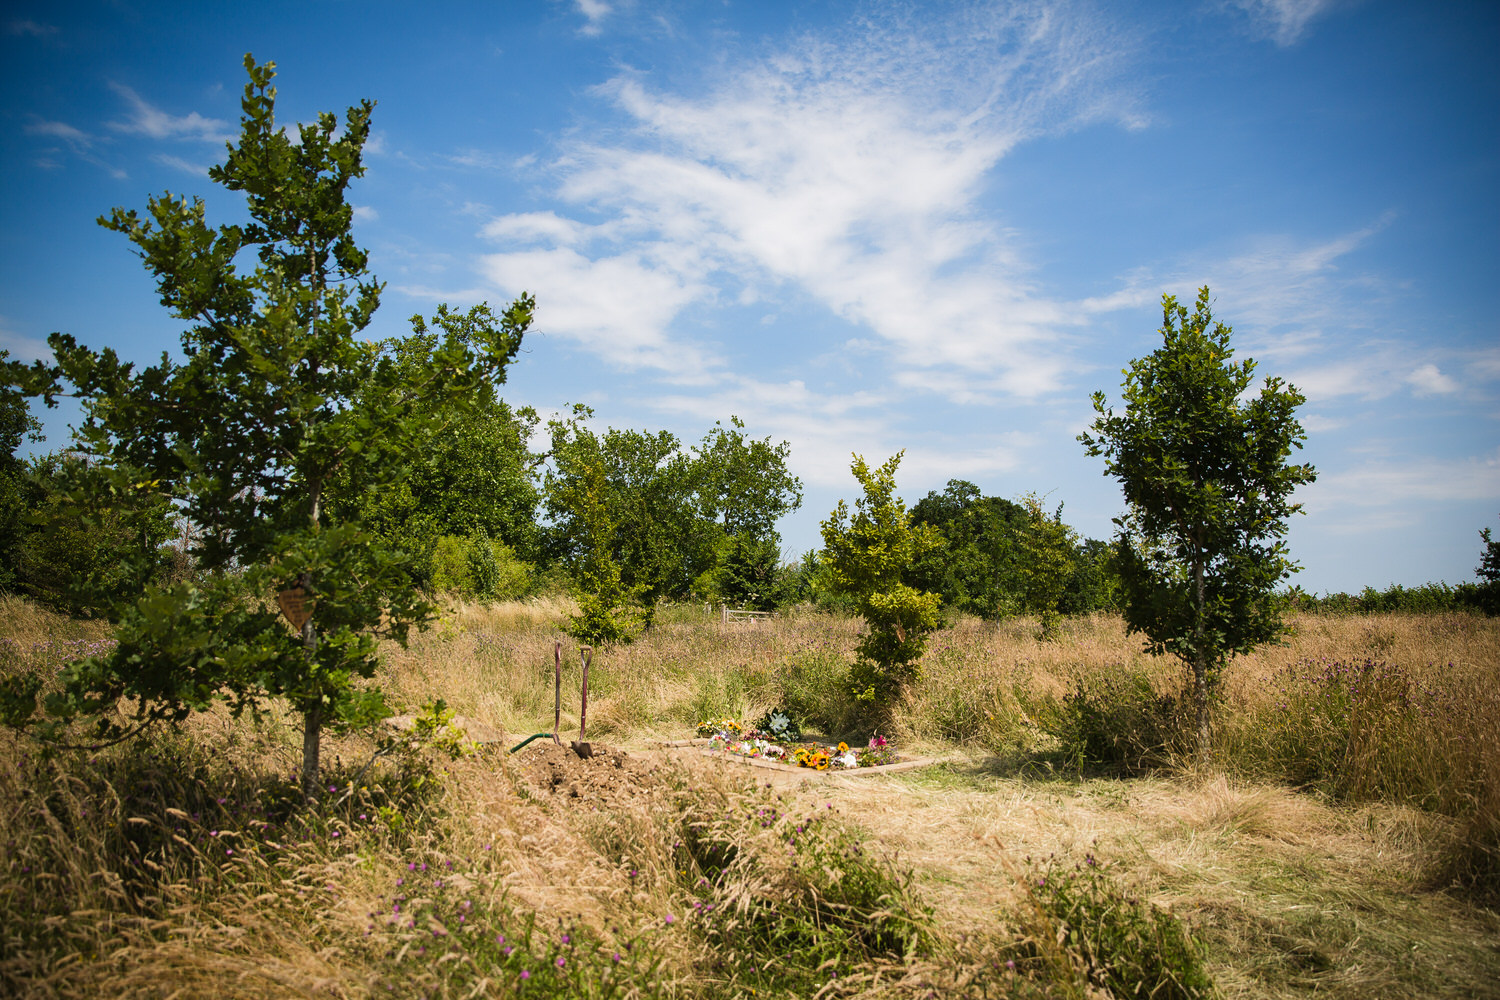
[[868, 555], [1208, 486], [274, 395]]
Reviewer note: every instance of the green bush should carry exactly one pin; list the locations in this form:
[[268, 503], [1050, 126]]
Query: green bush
[[790, 900], [86, 546], [1120, 944], [477, 566], [1116, 723]]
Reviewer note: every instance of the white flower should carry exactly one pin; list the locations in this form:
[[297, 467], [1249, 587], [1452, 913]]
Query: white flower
[[847, 760]]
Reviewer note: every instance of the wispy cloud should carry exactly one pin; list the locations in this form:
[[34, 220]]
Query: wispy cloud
[[76, 138], [178, 163], [1399, 484], [1310, 312], [849, 169], [594, 12], [32, 28], [148, 120], [78, 142], [22, 347], [1285, 22], [616, 307]]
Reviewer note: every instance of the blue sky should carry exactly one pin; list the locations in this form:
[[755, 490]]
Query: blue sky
[[861, 228]]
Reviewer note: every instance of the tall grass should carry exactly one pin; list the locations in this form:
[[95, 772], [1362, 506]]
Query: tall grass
[[185, 863]]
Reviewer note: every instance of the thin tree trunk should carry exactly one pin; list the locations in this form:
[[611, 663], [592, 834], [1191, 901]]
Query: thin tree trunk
[[312, 735], [312, 718], [1200, 656]]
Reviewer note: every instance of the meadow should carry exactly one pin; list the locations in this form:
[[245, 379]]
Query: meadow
[[1342, 841]]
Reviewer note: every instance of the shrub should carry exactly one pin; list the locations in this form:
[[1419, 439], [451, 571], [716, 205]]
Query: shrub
[[478, 566], [787, 900], [1116, 722], [1121, 944]]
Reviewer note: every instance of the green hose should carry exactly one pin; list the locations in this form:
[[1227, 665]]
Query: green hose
[[533, 736]]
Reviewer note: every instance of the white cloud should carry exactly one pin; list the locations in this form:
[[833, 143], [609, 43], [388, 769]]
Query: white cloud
[[1411, 480], [594, 12], [148, 120], [79, 142], [1427, 380], [851, 172], [22, 347], [1306, 313], [177, 162], [1284, 21], [617, 307], [76, 138], [535, 227], [365, 213]]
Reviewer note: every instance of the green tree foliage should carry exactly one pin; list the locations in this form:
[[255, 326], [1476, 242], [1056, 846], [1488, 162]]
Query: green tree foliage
[[274, 397], [472, 478], [989, 564], [748, 574], [678, 519], [579, 494], [16, 423], [742, 483], [979, 568], [622, 507], [1048, 547], [1208, 487], [1094, 584], [89, 545], [867, 555], [1488, 570]]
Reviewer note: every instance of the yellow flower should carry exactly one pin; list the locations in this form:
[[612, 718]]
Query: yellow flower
[[843, 748]]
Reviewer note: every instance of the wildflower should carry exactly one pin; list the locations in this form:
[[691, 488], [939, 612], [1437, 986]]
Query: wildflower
[[670, 918]]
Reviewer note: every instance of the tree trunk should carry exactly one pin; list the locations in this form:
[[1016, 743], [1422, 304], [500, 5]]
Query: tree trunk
[[312, 718], [312, 734], [1200, 697], [1200, 655]]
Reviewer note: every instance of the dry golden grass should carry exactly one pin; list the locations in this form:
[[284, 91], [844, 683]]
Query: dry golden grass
[[1294, 894]]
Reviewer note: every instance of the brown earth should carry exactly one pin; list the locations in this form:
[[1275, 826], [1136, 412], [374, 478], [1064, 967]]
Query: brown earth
[[608, 777]]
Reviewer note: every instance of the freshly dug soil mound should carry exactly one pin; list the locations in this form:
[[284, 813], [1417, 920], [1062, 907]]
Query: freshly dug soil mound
[[608, 777]]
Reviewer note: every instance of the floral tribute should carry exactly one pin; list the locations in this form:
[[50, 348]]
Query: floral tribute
[[772, 739]]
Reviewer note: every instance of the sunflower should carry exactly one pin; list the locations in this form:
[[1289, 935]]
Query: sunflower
[[843, 748]]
